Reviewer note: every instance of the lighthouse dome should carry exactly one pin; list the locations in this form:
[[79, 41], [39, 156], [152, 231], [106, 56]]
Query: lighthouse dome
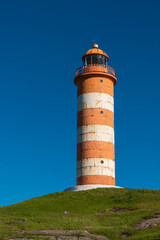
[[95, 50]]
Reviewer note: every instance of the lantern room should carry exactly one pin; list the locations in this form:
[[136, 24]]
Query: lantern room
[[95, 56]]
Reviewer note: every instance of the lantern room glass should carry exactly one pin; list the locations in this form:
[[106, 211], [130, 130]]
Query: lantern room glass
[[95, 59]]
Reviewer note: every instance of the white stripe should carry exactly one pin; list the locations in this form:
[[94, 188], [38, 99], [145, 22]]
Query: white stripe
[[103, 171], [95, 133], [95, 100], [96, 162], [93, 166]]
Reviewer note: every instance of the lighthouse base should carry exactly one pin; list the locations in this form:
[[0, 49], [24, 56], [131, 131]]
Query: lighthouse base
[[88, 187]]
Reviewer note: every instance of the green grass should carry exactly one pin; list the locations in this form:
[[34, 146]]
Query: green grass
[[47, 212]]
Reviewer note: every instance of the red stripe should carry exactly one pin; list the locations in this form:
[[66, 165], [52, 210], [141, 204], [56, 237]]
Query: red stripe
[[95, 116], [96, 179], [95, 149]]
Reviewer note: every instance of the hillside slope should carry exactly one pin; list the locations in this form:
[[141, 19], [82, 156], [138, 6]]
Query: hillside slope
[[113, 213]]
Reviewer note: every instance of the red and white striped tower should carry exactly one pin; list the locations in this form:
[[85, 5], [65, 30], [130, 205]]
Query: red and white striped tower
[[95, 81]]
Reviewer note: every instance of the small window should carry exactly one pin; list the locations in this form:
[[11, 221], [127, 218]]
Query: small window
[[101, 112], [101, 81], [102, 161]]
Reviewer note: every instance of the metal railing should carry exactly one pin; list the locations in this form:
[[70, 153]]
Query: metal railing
[[81, 70]]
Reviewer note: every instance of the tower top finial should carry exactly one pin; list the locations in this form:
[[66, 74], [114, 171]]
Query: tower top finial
[[95, 45]]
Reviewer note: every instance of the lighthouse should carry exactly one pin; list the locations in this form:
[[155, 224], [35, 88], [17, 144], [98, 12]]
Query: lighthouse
[[95, 82]]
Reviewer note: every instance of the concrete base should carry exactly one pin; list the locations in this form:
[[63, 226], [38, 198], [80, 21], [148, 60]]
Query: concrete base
[[88, 187]]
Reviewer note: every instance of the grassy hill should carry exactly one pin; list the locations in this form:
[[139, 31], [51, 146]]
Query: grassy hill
[[109, 212]]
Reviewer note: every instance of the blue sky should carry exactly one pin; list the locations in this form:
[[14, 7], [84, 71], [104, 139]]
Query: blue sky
[[41, 45]]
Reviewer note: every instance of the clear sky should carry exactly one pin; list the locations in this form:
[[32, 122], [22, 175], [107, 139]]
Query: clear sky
[[41, 45]]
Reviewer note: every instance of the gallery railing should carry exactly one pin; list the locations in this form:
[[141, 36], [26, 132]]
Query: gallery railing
[[81, 70]]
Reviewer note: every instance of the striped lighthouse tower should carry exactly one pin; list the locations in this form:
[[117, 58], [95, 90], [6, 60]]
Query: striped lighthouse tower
[[95, 82]]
